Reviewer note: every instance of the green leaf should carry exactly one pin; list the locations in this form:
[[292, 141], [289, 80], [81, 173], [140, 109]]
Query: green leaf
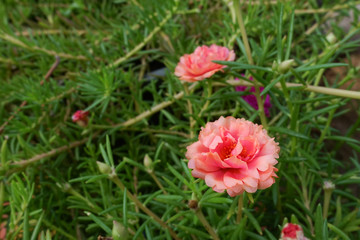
[[109, 151], [26, 225], [338, 232], [180, 177], [279, 34], [320, 66], [253, 221], [100, 223], [169, 198], [342, 138], [125, 208], [170, 117], [270, 235], [104, 155], [237, 65], [289, 132], [319, 223], [220, 200], [35, 232], [290, 35], [270, 85], [190, 230]]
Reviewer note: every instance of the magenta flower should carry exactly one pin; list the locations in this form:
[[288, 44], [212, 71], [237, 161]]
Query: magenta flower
[[251, 99], [81, 118]]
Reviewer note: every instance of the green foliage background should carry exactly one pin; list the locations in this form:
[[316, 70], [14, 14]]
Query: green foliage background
[[108, 53]]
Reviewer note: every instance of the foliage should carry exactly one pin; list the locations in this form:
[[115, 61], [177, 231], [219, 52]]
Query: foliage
[[117, 60]]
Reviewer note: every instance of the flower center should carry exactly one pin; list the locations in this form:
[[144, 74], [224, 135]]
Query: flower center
[[244, 153], [226, 151], [225, 148]]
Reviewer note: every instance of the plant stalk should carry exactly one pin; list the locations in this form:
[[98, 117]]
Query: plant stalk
[[206, 224], [152, 174], [251, 61], [308, 88], [190, 110], [240, 208], [140, 205]]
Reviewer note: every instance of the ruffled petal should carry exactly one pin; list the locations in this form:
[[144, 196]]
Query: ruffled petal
[[215, 181]]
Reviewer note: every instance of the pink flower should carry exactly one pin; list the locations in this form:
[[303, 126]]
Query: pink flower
[[234, 155], [198, 65], [3, 231], [80, 117], [251, 99], [292, 232], [3, 228]]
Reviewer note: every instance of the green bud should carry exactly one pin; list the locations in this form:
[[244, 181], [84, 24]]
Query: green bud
[[119, 232], [275, 66], [331, 38], [104, 168], [328, 189], [4, 153], [193, 202], [328, 185], [285, 66], [148, 163]]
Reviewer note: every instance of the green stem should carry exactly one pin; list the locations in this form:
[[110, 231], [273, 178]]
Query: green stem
[[240, 208], [207, 101], [2, 197], [325, 130], [153, 110], [67, 188], [251, 61], [190, 110], [286, 93], [309, 88], [326, 203], [140, 205], [158, 182], [144, 42], [316, 83], [206, 224], [26, 225], [57, 229]]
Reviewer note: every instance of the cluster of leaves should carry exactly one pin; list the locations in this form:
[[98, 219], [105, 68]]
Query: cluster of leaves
[[117, 62]]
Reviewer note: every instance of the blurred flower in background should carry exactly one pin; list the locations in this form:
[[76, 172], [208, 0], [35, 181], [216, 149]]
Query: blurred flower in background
[[81, 118], [292, 231], [198, 65], [251, 99]]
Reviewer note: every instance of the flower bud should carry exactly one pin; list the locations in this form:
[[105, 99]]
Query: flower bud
[[292, 231], [331, 38], [148, 163], [193, 202], [275, 66], [328, 185], [104, 168], [81, 118], [119, 232], [328, 189], [285, 66]]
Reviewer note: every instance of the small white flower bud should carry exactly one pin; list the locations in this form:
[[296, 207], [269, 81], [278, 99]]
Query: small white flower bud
[[104, 168], [148, 163], [328, 185], [285, 66], [331, 38], [119, 232]]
